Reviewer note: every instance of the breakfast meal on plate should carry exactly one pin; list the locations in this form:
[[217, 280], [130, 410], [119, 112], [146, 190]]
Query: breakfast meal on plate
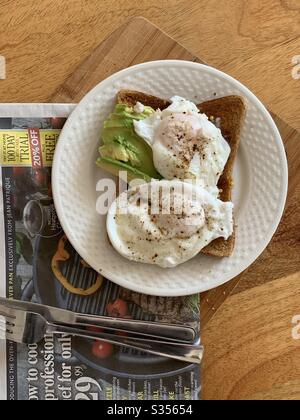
[[184, 155]]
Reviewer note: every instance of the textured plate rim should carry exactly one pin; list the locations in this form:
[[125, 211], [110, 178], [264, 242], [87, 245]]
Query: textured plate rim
[[251, 258]]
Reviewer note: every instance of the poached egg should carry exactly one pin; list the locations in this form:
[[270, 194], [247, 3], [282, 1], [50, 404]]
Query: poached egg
[[167, 222], [185, 144]]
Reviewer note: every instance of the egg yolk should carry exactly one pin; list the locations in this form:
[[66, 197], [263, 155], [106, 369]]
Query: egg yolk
[[182, 135], [184, 217]]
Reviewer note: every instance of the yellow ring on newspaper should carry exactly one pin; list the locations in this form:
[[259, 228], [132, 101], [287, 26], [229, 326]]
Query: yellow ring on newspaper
[[62, 255]]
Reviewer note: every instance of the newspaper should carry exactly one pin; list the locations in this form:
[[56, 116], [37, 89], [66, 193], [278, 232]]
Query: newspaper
[[68, 368]]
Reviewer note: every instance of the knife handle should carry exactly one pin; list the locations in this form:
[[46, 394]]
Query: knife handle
[[170, 332], [185, 352]]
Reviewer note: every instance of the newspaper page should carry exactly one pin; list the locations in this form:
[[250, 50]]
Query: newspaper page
[[38, 264]]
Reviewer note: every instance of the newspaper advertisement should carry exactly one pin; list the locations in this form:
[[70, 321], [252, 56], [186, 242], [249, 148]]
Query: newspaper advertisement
[[38, 264]]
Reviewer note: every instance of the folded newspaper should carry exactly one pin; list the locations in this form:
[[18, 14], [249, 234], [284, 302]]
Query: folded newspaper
[[32, 269]]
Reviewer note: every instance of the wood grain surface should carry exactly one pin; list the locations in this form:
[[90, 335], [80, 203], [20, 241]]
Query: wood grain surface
[[253, 40], [250, 353]]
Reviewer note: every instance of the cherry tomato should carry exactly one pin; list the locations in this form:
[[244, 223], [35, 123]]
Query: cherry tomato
[[102, 350], [118, 309], [95, 329], [57, 122], [39, 176]]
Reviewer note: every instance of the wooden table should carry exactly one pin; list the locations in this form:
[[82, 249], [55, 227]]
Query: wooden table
[[250, 352]]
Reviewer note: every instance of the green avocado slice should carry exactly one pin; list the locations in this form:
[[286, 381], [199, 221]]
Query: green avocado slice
[[123, 148], [114, 167]]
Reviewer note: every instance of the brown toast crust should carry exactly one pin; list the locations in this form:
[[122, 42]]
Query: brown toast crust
[[131, 97], [230, 112]]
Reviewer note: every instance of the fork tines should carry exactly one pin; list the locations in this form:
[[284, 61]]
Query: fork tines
[[5, 326]]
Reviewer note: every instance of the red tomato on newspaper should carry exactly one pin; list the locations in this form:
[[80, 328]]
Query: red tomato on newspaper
[[39, 176], [117, 309], [102, 350], [57, 123]]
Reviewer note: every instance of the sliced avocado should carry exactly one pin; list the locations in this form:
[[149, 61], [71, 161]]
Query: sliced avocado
[[120, 149], [116, 121], [114, 167], [126, 111], [122, 144]]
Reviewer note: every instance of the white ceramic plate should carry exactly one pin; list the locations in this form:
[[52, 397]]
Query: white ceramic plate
[[261, 178]]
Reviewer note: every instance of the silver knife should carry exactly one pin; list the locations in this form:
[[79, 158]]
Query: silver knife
[[171, 332]]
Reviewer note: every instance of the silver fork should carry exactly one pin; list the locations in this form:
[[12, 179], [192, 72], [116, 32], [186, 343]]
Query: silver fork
[[30, 328], [147, 329]]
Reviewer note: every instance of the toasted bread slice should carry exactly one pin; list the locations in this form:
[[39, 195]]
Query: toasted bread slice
[[230, 113], [131, 97]]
